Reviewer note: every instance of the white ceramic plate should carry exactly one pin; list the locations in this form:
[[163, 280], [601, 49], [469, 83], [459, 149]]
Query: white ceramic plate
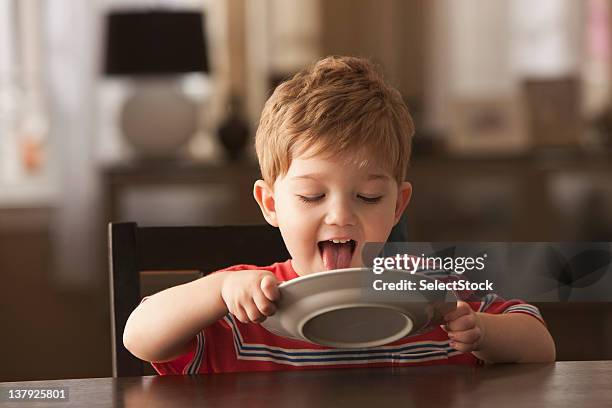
[[341, 309]]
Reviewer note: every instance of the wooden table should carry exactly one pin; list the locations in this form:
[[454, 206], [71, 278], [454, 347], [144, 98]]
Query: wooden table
[[563, 384]]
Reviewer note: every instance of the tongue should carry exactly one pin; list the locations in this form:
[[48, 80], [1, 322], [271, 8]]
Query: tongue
[[335, 256]]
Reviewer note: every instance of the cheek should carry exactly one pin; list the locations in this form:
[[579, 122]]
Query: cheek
[[297, 224], [289, 214], [380, 222], [292, 212]]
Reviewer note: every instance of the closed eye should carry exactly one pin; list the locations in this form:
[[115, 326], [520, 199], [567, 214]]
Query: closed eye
[[369, 200], [311, 199]]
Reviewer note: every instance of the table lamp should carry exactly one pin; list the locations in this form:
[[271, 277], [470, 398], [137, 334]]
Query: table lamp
[[154, 48]]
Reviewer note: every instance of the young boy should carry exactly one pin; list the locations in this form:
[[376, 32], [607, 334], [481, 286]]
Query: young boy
[[333, 145]]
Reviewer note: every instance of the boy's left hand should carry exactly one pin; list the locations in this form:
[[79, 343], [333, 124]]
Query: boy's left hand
[[464, 328]]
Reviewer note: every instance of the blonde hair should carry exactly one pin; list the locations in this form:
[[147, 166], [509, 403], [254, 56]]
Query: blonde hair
[[338, 107]]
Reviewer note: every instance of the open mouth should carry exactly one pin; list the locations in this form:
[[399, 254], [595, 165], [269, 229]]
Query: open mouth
[[337, 253]]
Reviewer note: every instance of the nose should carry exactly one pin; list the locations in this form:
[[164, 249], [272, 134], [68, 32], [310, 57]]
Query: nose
[[341, 213]]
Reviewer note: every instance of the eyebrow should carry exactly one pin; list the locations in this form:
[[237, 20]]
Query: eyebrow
[[316, 176]]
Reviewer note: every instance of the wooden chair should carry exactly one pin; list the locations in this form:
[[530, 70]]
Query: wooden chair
[[133, 249]]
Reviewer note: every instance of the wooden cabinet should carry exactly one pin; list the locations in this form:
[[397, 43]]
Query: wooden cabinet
[[526, 198], [181, 193]]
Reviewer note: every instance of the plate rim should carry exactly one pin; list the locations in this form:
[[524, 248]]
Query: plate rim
[[319, 274], [296, 331]]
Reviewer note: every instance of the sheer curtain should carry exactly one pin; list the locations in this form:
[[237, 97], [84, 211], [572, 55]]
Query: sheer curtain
[[481, 47], [73, 32], [7, 66], [24, 175], [71, 35]]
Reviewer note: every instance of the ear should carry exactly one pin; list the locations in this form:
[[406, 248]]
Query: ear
[[264, 195], [403, 198]]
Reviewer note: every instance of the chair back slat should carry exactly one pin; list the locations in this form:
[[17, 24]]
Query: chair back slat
[[208, 248]]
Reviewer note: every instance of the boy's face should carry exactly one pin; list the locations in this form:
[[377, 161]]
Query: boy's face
[[322, 200]]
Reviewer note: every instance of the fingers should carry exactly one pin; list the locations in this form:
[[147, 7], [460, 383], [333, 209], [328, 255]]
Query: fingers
[[238, 311], [269, 287], [463, 328], [466, 341], [263, 304], [247, 312], [467, 336], [462, 309], [463, 347], [256, 306], [465, 322], [251, 297], [253, 313]]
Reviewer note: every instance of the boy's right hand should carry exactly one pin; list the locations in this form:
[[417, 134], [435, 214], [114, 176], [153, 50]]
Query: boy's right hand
[[249, 295]]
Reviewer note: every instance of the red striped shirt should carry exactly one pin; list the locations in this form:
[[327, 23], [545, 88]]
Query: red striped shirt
[[230, 346]]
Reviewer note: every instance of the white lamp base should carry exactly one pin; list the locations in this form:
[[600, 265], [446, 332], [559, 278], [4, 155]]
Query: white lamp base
[[158, 119]]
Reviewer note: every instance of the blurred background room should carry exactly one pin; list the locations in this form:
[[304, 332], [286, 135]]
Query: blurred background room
[[134, 110]]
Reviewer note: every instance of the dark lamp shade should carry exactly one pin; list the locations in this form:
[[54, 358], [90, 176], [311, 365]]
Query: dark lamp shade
[[155, 43]]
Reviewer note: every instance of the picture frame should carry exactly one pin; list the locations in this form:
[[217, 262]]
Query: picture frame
[[553, 111], [487, 125]]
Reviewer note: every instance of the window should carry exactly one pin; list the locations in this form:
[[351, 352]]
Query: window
[[23, 116]]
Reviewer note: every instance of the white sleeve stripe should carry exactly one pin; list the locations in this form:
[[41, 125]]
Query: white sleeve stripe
[[524, 308], [488, 300], [194, 365]]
